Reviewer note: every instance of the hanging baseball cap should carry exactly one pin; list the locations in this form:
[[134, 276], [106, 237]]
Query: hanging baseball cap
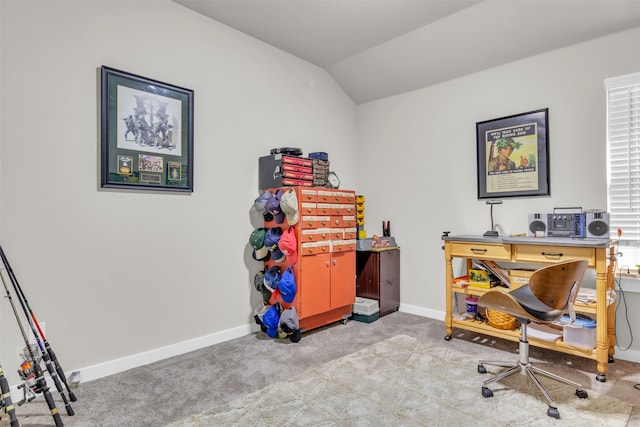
[[271, 240], [258, 314], [258, 282], [271, 320], [287, 286], [289, 325], [288, 246], [289, 206], [273, 206], [256, 240], [271, 278], [260, 204]]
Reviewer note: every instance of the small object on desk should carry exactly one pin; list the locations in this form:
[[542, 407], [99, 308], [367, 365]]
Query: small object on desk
[[386, 228], [492, 232], [462, 281]]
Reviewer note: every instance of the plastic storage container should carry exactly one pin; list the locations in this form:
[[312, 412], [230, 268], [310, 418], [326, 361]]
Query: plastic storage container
[[472, 305], [366, 310], [581, 333]]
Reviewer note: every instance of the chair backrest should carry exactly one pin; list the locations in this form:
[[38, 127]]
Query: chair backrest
[[554, 283]]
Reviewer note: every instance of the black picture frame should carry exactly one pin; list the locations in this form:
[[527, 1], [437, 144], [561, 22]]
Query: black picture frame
[[146, 133], [522, 171]]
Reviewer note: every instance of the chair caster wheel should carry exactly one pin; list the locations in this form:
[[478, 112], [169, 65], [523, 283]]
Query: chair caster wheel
[[601, 377], [482, 369], [447, 337], [486, 392], [553, 412], [582, 394]]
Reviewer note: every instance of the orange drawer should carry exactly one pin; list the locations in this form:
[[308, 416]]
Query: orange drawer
[[315, 234], [348, 209], [347, 197], [307, 195], [309, 221], [324, 208], [308, 208], [348, 221], [326, 196], [337, 233], [313, 248], [350, 233], [344, 245], [323, 221], [336, 221]]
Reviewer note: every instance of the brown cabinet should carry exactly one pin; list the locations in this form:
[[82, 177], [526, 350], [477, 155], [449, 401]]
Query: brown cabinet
[[378, 277]]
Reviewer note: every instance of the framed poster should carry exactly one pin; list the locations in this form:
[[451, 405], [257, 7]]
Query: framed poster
[[513, 156], [146, 133]]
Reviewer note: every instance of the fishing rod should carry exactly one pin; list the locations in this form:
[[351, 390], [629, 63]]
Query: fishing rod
[[30, 370], [6, 403], [50, 359]]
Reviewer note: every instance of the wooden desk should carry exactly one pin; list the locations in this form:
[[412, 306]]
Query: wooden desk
[[532, 250]]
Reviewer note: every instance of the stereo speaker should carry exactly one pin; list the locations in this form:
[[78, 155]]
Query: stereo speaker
[[537, 222], [597, 225]]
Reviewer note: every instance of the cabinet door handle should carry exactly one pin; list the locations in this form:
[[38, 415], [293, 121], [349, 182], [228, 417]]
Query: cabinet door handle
[[328, 265], [335, 262]]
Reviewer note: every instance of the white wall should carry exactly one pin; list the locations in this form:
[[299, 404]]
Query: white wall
[[423, 144], [120, 273]]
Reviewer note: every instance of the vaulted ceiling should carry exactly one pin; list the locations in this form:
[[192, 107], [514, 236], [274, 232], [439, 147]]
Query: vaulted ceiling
[[378, 48]]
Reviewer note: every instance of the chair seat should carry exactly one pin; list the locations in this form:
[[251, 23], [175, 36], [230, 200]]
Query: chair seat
[[522, 304]]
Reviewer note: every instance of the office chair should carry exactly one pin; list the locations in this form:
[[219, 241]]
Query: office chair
[[550, 293]]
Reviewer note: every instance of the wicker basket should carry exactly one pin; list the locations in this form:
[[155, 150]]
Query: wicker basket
[[501, 320]]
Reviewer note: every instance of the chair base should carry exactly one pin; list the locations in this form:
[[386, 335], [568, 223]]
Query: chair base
[[525, 367]]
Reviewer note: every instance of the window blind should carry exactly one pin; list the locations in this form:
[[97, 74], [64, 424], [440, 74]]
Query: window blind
[[623, 157]]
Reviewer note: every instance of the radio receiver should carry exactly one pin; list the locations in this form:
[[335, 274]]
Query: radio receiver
[[566, 224]]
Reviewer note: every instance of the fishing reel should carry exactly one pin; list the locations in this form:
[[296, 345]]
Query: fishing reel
[[29, 374]]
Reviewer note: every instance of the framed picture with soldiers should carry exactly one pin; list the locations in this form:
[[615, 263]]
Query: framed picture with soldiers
[[513, 156], [146, 133]]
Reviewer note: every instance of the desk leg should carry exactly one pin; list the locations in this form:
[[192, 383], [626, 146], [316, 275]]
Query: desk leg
[[602, 316], [611, 309], [448, 319]]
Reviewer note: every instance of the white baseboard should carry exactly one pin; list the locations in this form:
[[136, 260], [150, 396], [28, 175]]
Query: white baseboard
[[421, 311], [628, 355], [119, 365], [115, 366]]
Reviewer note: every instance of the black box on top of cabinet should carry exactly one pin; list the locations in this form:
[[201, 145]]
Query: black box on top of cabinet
[[280, 170]]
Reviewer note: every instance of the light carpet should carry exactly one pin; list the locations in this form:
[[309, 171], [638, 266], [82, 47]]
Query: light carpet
[[402, 382]]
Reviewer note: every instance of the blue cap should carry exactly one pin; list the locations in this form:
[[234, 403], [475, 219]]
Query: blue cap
[[271, 278], [271, 240], [271, 320], [287, 286]]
